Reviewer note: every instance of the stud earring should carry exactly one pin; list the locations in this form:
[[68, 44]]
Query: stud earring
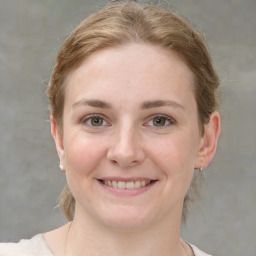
[[61, 166], [200, 169]]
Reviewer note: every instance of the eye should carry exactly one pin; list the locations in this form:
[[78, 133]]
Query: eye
[[160, 121], [94, 121]]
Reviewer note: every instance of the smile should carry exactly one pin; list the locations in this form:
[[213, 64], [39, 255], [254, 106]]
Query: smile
[[126, 185]]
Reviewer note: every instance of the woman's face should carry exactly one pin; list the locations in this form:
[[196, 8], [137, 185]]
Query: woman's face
[[131, 138]]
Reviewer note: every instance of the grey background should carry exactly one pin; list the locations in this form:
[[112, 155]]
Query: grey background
[[224, 221]]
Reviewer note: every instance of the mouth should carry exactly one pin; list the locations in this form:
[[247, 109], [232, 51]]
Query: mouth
[[137, 184]]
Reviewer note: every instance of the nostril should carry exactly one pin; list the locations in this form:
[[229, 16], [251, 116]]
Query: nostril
[[113, 161], [124, 162]]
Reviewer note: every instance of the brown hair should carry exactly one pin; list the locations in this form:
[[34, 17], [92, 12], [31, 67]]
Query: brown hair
[[122, 23]]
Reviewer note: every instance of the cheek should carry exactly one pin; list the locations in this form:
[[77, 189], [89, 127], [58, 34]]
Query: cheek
[[176, 150], [83, 154], [175, 156]]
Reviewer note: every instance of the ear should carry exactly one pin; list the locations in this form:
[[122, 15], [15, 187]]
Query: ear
[[58, 138], [208, 142]]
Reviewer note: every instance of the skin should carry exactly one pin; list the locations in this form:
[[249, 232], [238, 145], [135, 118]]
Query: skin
[[146, 128]]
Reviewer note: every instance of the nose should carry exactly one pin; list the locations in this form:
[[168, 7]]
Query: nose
[[126, 148]]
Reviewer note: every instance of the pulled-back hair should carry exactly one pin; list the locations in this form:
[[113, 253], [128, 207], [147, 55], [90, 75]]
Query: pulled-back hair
[[129, 22]]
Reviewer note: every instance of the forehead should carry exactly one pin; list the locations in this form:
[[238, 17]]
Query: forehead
[[140, 70]]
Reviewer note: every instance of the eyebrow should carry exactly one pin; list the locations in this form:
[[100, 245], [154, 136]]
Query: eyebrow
[[92, 103], [161, 103], [145, 105]]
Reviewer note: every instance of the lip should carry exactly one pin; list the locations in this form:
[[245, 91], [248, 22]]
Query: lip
[[126, 192]]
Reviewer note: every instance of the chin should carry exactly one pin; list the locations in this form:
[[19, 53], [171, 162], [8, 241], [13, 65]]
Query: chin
[[127, 219]]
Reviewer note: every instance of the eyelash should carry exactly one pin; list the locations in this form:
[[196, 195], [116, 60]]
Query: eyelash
[[168, 119]]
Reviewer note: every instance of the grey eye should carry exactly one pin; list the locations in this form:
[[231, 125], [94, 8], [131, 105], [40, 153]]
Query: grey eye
[[96, 121]]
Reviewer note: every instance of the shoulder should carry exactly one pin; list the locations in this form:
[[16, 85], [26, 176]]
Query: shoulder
[[198, 252], [35, 246]]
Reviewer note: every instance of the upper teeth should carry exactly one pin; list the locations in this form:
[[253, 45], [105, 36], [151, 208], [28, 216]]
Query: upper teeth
[[127, 185]]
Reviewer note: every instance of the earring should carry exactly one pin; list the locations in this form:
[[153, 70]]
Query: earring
[[61, 166], [200, 169]]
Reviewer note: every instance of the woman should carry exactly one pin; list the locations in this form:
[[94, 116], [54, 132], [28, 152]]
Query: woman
[[133, 115]]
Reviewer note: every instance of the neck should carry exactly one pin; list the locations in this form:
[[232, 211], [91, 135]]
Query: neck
[[87, 237]]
